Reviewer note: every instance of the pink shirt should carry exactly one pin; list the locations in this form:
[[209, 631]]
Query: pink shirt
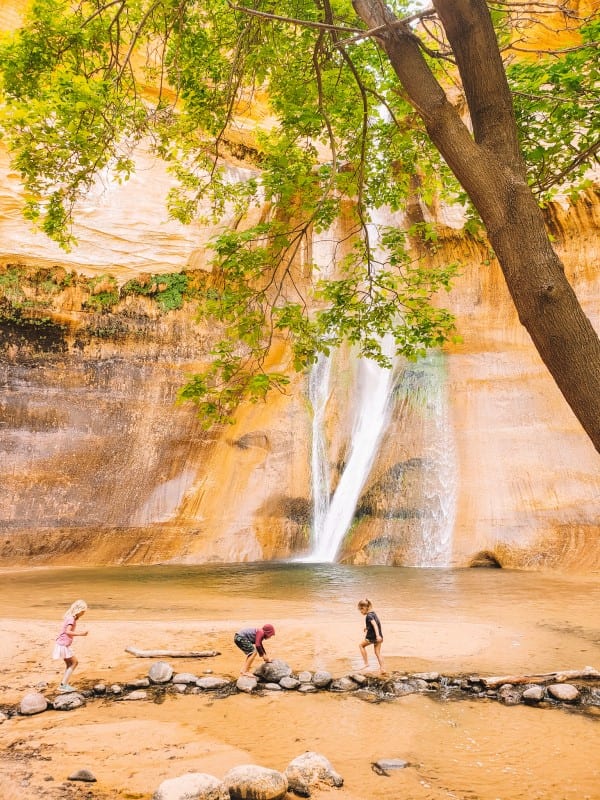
[[64, 637]]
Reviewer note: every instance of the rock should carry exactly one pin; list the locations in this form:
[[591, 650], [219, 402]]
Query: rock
[[533, 694], [309, 771], [305, 676], [343, 685], [429, 676], [84, 775], [100, 688], [140, 683], [273, 671], [246, 684], [185, 677], [322, 679], [564, 691], [307, 688], [384, 766], [401, 688], [67, 702], [41, 686], [160, 672], [192, 786], [33, 703], [180, 688], [358, 678], [116, 689], [250, 782], [273, 687], [289, 683], [509, 695], [138, 694], [367, 694], [212, 682]]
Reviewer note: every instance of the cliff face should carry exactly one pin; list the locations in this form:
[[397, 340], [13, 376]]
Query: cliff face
[[480, 458]]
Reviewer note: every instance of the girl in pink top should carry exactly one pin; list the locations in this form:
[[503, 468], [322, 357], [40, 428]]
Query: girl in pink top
[[64, 640]]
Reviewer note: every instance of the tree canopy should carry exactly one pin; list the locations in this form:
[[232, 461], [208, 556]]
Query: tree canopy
[[351, 94]]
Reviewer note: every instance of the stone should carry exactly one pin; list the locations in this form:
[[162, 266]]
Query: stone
[[430, 676], [310, 771], [100, 688], [247, 684], [192, 786], [140, 683], [273, 671], [185, 677], [33, 703], [383, 766], [305, 676], [273, 687], [251, 782], [180, 688], [212, 682], [564, 691], [116, 689], [343, 685], [358, 678], [401, 688], [367, 694], [509, 694], [160, 672], [67, 702], [307, 688], [289, 683], [138, 694], [84, 775], [322, 679], [533, 694]]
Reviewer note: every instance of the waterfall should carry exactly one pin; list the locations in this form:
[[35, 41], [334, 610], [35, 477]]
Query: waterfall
[[432, 546], [373, 390]]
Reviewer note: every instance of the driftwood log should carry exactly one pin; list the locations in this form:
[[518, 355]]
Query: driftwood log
[[544, 677], [171, 653]]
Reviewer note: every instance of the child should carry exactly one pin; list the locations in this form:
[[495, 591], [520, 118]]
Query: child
[[373, 633], [250, 640], [62, 647]]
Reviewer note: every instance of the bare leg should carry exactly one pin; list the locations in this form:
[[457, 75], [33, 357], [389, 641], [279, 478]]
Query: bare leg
[[363, 651], [377, 648], [248, 664], [70, 664]]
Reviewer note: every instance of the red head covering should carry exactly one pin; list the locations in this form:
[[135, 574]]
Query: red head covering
[[269, 630]]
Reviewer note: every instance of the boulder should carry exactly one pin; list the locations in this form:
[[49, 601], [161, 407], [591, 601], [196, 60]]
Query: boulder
[[160, 672], [343, 685], [247, 684], [140, 683], [251, 782], [322, 679], [273, 687], [289, 683], [273, 671], [305, 676], [307, 688], [192, 786], [401, 688], [509, 695], [310, 771], [564, 691], [33, 703], [67, 702], [185, 677], [533, 694]]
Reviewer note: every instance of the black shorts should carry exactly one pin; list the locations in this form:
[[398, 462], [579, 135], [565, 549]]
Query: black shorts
[[245, 644]]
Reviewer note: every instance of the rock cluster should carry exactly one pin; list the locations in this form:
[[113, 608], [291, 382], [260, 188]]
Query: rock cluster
[[578, 688]]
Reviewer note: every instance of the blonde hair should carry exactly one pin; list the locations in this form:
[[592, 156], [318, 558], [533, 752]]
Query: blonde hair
[[78, 607], [366, 603]]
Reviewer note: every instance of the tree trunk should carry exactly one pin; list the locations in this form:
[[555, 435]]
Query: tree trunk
[[488, 165]]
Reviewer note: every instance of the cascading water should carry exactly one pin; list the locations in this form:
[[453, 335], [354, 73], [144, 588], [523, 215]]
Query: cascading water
[[432, 544], [373, 390]]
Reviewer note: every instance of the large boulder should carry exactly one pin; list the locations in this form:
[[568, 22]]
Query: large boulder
[[273, 671], [246, 683], [564, 691], [250, 782], [309, 771], [192, 786], [33, 703]]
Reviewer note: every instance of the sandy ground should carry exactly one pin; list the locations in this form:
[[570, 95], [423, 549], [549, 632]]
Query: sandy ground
[[457, 750]]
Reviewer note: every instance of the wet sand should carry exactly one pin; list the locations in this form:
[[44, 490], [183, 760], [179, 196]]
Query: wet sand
[[461, 749]]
